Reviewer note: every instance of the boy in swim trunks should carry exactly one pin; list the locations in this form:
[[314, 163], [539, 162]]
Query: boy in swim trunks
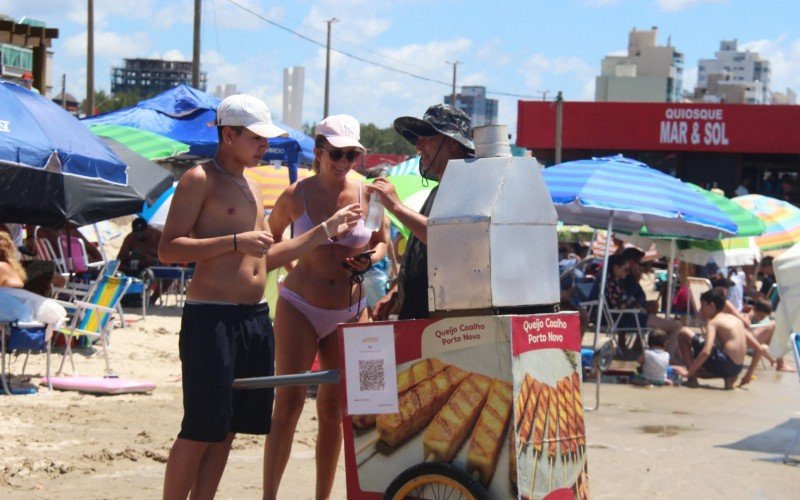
[[721, 353], [216, 220]]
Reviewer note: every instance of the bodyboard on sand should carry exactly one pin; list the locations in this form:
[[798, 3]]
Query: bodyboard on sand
[[99, 385]]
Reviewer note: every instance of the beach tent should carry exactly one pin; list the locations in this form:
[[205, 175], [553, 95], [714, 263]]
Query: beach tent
[[183, 113], [53, 170]]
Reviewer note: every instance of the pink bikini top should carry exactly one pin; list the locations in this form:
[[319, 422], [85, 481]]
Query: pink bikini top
[[358, 237]]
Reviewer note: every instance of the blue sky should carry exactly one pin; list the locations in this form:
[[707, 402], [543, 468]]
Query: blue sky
[[526, 47]]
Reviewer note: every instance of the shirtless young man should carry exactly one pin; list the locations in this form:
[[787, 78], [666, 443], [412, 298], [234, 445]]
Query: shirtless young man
[[216, 220], [721, 353]]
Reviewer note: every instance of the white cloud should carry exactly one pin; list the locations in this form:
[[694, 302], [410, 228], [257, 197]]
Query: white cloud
[[689, 79], [678, 5], [227, 15], [358, 21], [784, 57], [109, 45], [175, 55], [536, 69], [493, 53], [358, 88]]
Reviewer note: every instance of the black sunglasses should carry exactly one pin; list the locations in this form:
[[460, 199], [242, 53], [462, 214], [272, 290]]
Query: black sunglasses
[[336, 154]]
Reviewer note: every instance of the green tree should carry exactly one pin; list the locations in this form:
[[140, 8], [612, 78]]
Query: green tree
[[105, 103], [384, 140]]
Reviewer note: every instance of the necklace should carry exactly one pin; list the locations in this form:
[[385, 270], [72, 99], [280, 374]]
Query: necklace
[[245, 188]]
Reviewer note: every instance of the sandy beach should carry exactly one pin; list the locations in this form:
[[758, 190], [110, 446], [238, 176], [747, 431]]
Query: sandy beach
[[643, 442]]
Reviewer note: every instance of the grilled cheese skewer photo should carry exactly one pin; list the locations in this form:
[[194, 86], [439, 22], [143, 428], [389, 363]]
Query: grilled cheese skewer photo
[[419, 405], [544, 394], [565, 387], [418, 372], [487, 438], [530, 410], [522, 400], [577, 398], [552, 435], [406, 380], [451, 425]]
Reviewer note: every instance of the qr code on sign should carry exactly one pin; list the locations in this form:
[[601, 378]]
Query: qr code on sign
[[370, 375]]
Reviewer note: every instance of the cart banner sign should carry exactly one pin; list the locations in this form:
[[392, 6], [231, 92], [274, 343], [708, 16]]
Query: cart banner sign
[[622, 126], [556, 331], [457, 383], [548, 424], [370, 370]]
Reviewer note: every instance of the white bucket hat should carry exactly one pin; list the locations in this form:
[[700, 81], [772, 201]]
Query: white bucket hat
[[341, 131], [242, 110]]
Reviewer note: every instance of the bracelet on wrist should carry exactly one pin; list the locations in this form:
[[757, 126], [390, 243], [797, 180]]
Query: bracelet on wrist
[[330, 236], [235, 247]]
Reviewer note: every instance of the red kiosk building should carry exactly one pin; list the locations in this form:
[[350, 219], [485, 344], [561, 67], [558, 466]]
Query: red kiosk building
[[700, 143]]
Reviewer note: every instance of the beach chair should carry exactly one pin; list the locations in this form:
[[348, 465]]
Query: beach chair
[[795, 340], [697, 287], [24, 337], [623, 329], [27, 321], [44, 250], [170, 280], [93, 317], [79, 263]]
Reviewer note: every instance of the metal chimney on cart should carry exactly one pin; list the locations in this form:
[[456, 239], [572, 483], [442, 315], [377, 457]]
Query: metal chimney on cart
[[492, 241]]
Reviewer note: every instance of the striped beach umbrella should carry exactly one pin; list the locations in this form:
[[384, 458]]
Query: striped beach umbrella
[[737, 251], [272, 180], [412, 193], [635, 196], [782, 220], [408, 167], [619, 193], [148, 144]]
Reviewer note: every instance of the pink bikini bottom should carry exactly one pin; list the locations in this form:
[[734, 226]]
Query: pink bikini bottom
[[324, 321]]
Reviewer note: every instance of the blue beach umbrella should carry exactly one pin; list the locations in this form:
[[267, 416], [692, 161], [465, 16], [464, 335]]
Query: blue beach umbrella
[[619, 193], [53, 169]]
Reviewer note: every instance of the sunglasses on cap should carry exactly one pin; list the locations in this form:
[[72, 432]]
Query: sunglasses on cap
[[336, 154]]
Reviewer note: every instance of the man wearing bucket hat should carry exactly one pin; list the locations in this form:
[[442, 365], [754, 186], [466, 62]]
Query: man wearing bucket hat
[[216, 220], [444, 133]]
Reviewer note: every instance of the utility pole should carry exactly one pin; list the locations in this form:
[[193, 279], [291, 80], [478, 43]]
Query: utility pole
[[559, 125], [64, 91], [196, 45], [453, 95], [89, 58], [328, 68]]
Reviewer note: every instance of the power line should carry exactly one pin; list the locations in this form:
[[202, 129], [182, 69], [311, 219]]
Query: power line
[[361, 59]]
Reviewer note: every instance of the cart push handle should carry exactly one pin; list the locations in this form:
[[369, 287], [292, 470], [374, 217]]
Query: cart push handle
[[309, 378]]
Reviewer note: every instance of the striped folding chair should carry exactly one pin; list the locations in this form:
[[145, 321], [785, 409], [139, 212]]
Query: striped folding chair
[[93, 318]]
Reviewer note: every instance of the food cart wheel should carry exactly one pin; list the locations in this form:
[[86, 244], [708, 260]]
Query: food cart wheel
[[435, 480]]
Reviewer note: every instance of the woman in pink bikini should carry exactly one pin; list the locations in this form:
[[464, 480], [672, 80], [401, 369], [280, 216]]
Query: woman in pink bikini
[[317, 295]]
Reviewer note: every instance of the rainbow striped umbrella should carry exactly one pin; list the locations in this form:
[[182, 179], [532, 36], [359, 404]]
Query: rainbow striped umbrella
[[781, 218], [273, 180]]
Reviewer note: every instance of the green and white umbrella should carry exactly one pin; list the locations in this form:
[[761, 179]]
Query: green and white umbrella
[[412, 193], [148, 144], [740, 250]]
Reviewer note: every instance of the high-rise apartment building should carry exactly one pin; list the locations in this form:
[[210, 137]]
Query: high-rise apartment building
[[151, 76], [647, 73], [733, 76], [472, 101]]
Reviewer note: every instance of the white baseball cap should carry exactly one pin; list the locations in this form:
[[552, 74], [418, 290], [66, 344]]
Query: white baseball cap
[[242, 110], [342, 131]]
